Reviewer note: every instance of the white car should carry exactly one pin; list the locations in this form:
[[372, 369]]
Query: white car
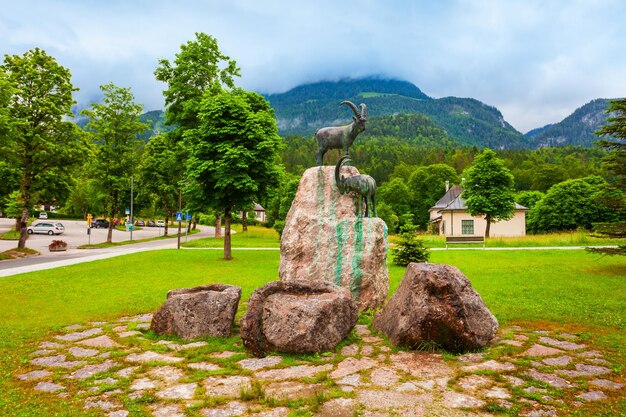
[[160, 223], [43, 215], [46, 228]]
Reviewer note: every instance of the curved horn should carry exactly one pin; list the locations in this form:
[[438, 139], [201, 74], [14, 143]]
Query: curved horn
[[352, 106], [363, 111]]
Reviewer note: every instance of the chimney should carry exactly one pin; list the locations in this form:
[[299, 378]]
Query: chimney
[[447, 185]]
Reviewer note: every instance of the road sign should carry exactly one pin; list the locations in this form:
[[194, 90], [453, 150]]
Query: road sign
[[127, 211], [188, 217], [179, 216]]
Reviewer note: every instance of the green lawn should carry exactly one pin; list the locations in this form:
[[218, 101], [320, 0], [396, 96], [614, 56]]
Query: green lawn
[[255, 237], [562, 289]]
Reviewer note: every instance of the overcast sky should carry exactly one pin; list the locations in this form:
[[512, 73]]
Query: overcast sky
[[536, 61]]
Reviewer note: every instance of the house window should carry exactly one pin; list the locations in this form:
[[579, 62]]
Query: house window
[[467, 227]]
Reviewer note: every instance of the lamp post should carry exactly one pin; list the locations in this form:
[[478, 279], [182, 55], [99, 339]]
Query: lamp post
[[132, 220], [180, 210]]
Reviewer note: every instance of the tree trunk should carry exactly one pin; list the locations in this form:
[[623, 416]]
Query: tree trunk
[[218, 225], [167, 221], [195, 222], [244, 221], [110, 234], [23, 221], [227, 249], [488, 220], [21, 244]]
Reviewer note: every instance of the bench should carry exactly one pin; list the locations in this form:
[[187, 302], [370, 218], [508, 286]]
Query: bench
[[455, 240]]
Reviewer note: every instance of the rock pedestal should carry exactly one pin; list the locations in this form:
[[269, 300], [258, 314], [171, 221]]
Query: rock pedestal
[[205, 311], [298, 317], [324, 240], [436, 303]]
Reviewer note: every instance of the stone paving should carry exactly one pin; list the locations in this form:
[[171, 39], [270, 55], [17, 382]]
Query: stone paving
[[120, 370]]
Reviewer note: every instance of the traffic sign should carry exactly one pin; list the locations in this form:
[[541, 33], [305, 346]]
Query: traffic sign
[[127, 211], [179, 216], [188, 217]]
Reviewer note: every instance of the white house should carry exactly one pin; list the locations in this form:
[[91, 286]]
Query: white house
[[451, 218]]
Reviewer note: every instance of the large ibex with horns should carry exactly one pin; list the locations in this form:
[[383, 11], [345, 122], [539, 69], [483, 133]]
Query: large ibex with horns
[[340, 137]]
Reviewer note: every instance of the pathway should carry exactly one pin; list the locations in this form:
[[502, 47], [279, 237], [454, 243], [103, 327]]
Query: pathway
[[119, 366]]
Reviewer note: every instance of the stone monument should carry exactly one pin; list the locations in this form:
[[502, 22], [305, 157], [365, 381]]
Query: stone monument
[[326, 239]]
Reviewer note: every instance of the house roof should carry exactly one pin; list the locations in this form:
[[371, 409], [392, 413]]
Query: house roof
[[452, 200]]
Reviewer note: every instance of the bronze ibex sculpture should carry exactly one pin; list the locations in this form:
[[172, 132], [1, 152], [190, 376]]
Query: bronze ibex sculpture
[[340, 137], [363, 185]]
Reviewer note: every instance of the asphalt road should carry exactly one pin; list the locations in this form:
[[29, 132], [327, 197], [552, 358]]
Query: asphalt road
[[76, 235]]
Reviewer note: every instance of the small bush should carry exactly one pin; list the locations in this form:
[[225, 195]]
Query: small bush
[[279, 226], [409, 248]]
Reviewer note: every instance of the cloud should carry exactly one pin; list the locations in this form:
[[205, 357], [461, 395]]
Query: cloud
[[536, 61]]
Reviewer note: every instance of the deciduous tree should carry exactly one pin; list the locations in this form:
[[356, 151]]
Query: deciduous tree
[[36, 141], [569, 205], [198, 67], [488, 189], [233, 152], [115, 126], [161, 171]]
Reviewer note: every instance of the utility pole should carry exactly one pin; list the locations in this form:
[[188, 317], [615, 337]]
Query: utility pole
[[132, 221], [180, 210]]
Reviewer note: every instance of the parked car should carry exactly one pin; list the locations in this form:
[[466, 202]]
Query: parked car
[[139, 223], [160, 223], [150, 223], [43, 215], [46, 228], [100, 223]]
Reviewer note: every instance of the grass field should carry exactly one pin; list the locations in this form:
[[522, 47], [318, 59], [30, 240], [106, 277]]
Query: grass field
[[263, 237], [570, 289], [255, 237]]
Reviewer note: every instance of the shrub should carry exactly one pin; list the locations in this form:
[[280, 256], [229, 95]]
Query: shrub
[[409, 248], [57, 244], [279, 226]]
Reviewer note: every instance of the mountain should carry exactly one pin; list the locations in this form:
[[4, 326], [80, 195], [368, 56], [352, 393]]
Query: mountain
[[576, 129], [306, 108]]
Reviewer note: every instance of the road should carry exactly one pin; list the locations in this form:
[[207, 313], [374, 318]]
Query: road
[[76, 235]]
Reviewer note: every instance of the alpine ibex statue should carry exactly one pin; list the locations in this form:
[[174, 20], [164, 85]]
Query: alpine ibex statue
[[362, 185], [340, 137]]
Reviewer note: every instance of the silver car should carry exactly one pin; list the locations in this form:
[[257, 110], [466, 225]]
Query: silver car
[[50, 228]]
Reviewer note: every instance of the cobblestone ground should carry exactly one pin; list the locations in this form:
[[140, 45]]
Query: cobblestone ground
[[123, 370]]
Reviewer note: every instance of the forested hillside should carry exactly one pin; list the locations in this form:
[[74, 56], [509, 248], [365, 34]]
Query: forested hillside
[[470, 122], [576, 129]]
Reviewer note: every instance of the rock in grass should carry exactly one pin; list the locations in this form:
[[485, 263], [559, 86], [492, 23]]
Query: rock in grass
[[298, 317], [205, 311], [436, 303]]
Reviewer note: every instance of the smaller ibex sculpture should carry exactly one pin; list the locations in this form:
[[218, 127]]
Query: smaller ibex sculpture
[[362, 185], [340, 137]]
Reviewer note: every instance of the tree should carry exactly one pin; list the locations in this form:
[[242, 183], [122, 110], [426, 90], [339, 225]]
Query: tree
[[115, 125], [36, 142], [528, 199], [161, 171], [234, 152], [614, 196], [427, 185], [198, 67], [569, 205], [409, 248], [488, 189], [396, 194]]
